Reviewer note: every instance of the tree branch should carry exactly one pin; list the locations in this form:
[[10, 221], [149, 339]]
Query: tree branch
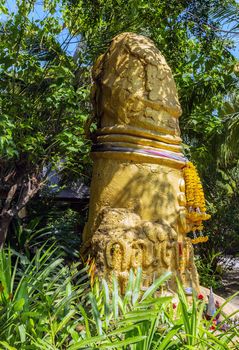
[[9, 198]]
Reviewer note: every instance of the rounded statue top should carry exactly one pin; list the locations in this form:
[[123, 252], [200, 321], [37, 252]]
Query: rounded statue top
[[134, 88]]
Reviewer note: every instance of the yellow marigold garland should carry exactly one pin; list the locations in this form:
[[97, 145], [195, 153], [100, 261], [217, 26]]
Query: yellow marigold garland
[[195, 202]]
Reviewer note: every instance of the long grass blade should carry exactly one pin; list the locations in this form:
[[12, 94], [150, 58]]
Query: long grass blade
[[96, 313], [106, 296], [156, 285], [115, 297], [136, 288]]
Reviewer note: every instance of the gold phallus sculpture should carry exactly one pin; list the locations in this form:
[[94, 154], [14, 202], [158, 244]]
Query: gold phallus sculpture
[[145, 195]]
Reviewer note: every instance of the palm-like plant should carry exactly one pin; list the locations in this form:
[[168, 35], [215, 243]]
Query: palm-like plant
[[56, 227], [46, 305], [229, 140], [129, 320], [144, 321], [38, 299]]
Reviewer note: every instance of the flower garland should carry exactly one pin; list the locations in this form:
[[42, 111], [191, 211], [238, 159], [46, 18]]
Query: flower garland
[[196, 206]]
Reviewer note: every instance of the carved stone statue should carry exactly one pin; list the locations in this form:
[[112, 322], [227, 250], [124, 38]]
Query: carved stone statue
[[137, 213]]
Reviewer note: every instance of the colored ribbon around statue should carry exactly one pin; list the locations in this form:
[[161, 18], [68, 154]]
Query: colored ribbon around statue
[[161, 153]]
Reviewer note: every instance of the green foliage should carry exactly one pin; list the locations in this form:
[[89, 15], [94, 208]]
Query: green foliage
[[213, 145], [142, 321], [184, 31], [46, 305], [41, 99], [43, 94], [38, 299], [209, 271], [60, 227], [221, 187]]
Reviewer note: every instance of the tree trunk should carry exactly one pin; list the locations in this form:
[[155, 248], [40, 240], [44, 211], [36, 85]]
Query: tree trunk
[[5, 220], [18, 196]]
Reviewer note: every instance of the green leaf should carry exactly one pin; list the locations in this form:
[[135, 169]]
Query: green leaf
[[156, 285], [19, 304], [22, 332], [106, 296], [119, 344], [167, 340], [96, 314], [115, 297], [7, 346]]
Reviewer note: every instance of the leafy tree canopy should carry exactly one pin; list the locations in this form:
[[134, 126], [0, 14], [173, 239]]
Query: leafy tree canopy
[[42, 103]]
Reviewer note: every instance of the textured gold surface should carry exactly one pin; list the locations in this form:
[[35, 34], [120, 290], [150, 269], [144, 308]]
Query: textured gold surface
[[139, 141], [137, 213], [157, 134]]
